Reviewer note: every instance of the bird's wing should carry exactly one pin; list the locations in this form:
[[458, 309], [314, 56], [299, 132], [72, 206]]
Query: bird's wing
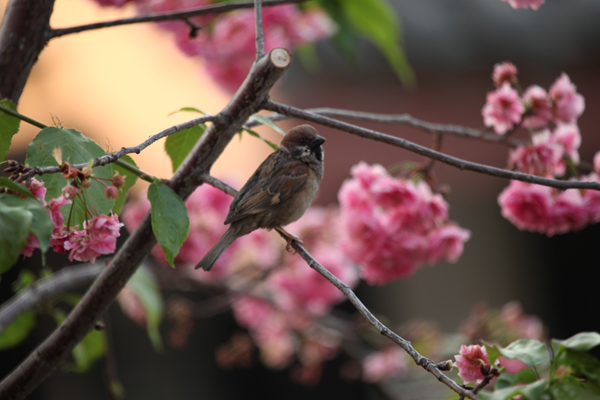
[[269, 186]]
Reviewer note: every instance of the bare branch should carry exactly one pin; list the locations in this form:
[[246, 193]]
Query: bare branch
[[182, 15], [44, 360], [260, 39], [425, 151], [66, 279]]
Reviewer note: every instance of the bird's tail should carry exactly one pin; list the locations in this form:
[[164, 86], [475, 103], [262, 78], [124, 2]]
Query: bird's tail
[[215, 252]]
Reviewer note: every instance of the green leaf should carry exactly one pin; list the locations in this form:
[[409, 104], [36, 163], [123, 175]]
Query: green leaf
[[256, 135], [179, 144], [146, 289], [41, 224], [15, 187], [525, 375], [188, 109], [530, 351], [17, 330], [378, 21], [533, 391], [344, 38], [571, 389], [170, 222], [266, 121], [583, 341], [9, 125], [130, 180], [15, 225], [76, 149]]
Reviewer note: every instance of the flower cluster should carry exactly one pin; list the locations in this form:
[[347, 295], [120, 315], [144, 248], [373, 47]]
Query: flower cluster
[[553, 153], [226, 42], [384, 364], [391, 226], [98, 236], [505, 107]]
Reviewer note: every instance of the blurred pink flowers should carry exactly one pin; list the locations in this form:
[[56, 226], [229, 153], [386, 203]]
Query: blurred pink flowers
[[533, 4], [391, 226], [384, 364], [503, 109], [568, 104]]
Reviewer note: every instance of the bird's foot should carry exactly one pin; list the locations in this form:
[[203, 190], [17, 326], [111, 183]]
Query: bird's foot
[[289, 239]]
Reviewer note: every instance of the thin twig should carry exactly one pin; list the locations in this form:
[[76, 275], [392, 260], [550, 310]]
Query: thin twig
[[260, 39], [113, 157], [109, 364], [22, 117], [182, 15], [425, 151], [68, 278], [406, 119]]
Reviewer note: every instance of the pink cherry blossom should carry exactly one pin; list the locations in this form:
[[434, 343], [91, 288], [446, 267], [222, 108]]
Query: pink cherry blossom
[[526, 205], [385, 364], [568, 136], [131, 306], [543, 157], [31, 244], [503, 109], [533, 4], [568, 104], [591, 199], [567, 213], [524, 326], [391, 226], [98, 237], [504, 72], [37, 188], [597, 162], [469, 362], [538, 105]]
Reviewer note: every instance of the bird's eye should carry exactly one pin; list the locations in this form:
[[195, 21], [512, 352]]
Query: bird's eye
[[303, 141]]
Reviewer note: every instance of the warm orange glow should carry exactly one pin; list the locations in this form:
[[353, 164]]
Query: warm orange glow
[[118, 86]]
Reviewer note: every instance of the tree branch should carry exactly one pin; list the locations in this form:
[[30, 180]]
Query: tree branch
[[44, 360], [425, 151], [66, 279], [260, 38], [113, 157], [212, 9]]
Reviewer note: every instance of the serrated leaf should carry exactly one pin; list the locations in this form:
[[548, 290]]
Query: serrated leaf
[[170, 222], [9, 125], [41, 224], [378, 21], [15, 187], [266, 121], [76, 149], [130, 180], [583, 341], [533, 391], [530, 351], [179, 144], [256, 135], [146, 289], [15, 225], [17, 330]]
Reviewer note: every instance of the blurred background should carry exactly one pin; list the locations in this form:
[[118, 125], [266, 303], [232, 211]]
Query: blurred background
[[119, 86]]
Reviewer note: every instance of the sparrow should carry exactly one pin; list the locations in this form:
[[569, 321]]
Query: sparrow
[[278, 193]]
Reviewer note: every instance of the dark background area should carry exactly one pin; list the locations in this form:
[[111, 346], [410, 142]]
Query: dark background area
[[452, 46]]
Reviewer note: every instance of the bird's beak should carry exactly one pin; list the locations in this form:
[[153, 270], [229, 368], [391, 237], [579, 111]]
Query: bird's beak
[[317, 141]]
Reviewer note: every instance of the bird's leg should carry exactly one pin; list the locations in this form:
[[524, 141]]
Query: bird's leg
[[289, 238]]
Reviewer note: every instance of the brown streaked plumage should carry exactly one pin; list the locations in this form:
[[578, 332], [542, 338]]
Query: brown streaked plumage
[[278, 193]]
